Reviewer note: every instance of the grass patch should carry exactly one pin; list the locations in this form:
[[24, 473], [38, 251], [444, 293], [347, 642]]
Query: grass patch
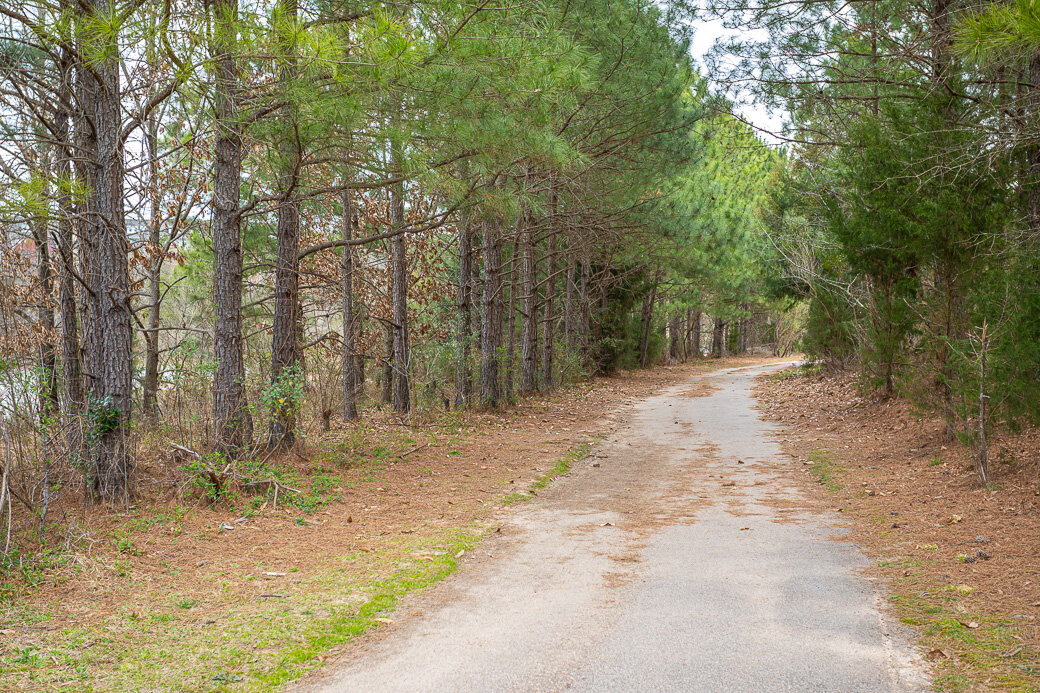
[[217, 642], [824, 470], [562, 466], [969, 650], [805, 370]]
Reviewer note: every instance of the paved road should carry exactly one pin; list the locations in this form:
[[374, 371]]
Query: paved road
[[682, 562]]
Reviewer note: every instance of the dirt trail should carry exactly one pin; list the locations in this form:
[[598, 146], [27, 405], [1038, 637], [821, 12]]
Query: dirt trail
[[679, 556]]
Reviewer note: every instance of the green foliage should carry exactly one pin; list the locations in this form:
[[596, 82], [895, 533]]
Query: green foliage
[[102, 418]]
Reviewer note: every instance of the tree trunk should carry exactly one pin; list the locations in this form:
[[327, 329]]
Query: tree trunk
[[402, 402], [648, 318], [234, 427], [529, 326], [584, 307], [511, 318], [696, 334], [463, 297], [674, 337], [387, 395], [150, 395], [570, 326], [107, 331], [549, 333], [490, 314], [718, 338], [47, 387], [350, 368], [285, 354]]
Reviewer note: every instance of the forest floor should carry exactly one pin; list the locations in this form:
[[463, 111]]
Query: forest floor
[[178, 594], [962, 562]]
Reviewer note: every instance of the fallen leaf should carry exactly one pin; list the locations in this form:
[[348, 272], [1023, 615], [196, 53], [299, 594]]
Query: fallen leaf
[[273, 574], [387, 621], [459, 554]]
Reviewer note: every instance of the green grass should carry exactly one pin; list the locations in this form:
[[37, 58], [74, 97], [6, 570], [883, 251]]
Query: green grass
[[562, 466], [983, 649], [215, 641], [805, 370], [824, 470]]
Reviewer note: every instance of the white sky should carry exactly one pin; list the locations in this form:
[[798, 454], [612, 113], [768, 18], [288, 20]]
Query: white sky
[[706, 33]]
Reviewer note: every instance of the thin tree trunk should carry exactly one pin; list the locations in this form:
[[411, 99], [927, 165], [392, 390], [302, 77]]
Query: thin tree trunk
[[570, 326], [674, 337], [350, 368], [490, 314], [233, 424], [47, 388], [511, 318], [150, 394], [718, 339], [285, 353], [584, 307], [387, 395], [697, 328], [529, 317], [549, 333], [648, 317], [402, 402], [463, 380]]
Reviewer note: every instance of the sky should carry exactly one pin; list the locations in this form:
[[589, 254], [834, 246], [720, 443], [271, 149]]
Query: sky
[[706, 33]]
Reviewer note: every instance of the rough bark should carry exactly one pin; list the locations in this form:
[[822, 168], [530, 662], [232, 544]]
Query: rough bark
[[150, 386], [107, 331], [387, 392], [510, 317], [696, 330], [233, 423], [584, 306], [47, 388], [570, 313], [463, 320], [674, 337], [350, 366], [285, 352], [402, 399], [648, 318], [529, 317], [549, 332], [718, 338], [490, 318]]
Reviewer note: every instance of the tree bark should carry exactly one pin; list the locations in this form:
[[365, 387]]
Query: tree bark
[[490, 314], [674, 337], [529, 326], [549, 332], [510, 317], [463, 298], [150, 395], [350, 367], [570, 326], [234, 428], [285, 353], [402, 400], [648, 317], [107, 330], [47, 388], [696, 328], [718, 338]]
